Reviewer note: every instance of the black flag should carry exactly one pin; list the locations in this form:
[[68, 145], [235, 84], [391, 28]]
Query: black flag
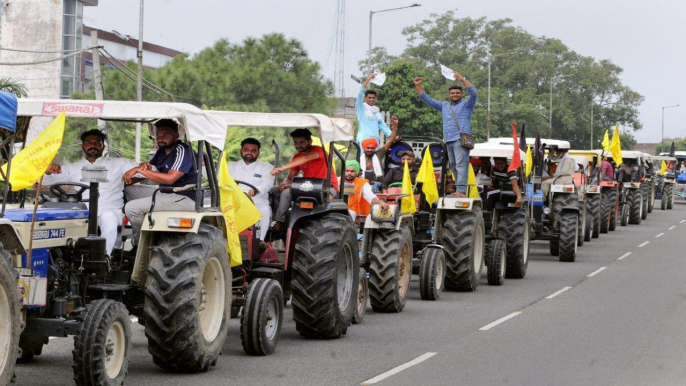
[[672, 150], [522, 138]]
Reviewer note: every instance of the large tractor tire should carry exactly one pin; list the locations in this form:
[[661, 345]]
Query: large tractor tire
[[432, 273], [10, 318], [588, 227], [613, 197], [102, 344], [496, 262], [31, 346], [569, 234], [624, 213], [188, 299], [554, 246], [262, 317], [645, 191], [325, 276], [604, 213], [635, 200], [670, 196], [390, 270], [514, 228], [362, 298], [651, 197], [463, 240], [594, 209], [667, 191], [582, 225]]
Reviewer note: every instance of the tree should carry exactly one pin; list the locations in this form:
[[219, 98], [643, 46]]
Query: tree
[[13, 86]]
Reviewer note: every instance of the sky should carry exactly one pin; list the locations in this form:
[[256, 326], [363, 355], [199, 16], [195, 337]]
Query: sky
[[646, 38]]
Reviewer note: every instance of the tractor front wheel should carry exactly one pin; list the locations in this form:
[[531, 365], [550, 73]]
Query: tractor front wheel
[[390, 270], [463, 240], [10, 318], [262, 317], [432, 273]]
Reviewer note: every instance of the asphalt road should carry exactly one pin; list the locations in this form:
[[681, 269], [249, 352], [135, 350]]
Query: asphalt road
[[623, 325]]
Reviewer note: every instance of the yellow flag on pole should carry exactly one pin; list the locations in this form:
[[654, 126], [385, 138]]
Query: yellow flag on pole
[[663, 169], [29, 165], [616, 147], [471, 184], [408, 205], [427, 177], [606, 142], [529, 161]]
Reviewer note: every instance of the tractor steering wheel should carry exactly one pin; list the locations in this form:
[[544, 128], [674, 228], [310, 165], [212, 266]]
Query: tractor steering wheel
[[251, 186], [64, 196]]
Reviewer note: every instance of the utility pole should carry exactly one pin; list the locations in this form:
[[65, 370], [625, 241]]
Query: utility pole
[[339, 66], [97, 76], [591, 148], [488, 109], [369, 53], [139, 83]]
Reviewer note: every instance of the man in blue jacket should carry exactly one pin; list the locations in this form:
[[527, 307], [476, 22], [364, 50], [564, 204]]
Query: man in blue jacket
[[457, 117], [369, 117]]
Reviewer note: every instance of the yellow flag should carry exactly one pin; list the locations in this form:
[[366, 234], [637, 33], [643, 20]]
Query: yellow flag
[[529, 160], [616, 147], [606, 142], [471, 184], [663, 169], [31, 163], [428, 178], [408, 205], [228, 197]]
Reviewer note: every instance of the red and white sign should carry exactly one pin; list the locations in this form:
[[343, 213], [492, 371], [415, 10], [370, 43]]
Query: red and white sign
[[73, 108]]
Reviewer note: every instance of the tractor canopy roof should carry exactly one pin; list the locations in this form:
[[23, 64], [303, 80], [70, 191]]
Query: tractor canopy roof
[[632, 154], [330, 129], [679, 154], [662, 157], [591, 155], [496, 150], [530, 141], [580, 160], [8, 111], [193, 122]]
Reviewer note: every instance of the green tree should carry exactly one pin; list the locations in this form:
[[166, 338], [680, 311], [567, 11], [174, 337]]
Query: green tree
[[13, 86]]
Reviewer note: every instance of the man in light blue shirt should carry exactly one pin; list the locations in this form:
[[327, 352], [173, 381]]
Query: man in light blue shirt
[[457, 117], [369, 118]]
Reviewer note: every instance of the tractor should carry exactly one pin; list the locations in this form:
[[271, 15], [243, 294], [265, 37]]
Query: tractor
[[586, 180], [629, 176], [666, 184]]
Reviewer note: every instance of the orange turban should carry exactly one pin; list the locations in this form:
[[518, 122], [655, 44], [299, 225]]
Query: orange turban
[[369, 142], [475, 162]]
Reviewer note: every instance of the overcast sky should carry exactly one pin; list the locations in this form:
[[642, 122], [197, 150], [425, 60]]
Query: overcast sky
[[646, 38]]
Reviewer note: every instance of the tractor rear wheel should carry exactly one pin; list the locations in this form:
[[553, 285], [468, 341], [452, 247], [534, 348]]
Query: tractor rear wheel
[[188, 299], [612, 202], [362, 298], [582, 225], [102, 344], [554, 246], [10, 318], [432, 273], [595, 210], [635, 200], [514, 228], [604, 212], [667, 190], [670, 196], [390, 270], [262, 317], [463, 240], [496, 262], [569, 234], [645, 190], [325, 276], [651, 197]]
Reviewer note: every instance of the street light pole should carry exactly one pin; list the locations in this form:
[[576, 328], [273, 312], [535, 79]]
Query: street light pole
[[550, 118], [139, 82], [371, 13], [591, 148], [488, 109], [663, 121]]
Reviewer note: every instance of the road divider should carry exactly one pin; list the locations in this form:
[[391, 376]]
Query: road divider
[[398, 369], [623, 256], [499, 321], [558, 292], [597, 271], [643, 244]]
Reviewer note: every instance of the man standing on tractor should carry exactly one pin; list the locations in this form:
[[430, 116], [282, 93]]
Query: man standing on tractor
[[361, 202], [503, 180], [628, 172], [564, 170], [311, 160], [255, 173], [111, 199], [369, 117], [607, 173], [170, 167], [395, 175], [457, 126], [371, 158]]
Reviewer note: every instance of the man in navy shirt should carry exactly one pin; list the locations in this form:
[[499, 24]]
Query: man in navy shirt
[[171, 166]]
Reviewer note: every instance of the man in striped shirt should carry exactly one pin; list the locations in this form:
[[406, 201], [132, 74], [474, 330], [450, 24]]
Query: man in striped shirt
[[171, 166]]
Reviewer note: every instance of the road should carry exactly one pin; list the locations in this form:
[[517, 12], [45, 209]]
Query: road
[[614, 317]]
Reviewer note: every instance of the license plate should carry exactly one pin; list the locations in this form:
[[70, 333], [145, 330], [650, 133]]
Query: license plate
[[45, 234]]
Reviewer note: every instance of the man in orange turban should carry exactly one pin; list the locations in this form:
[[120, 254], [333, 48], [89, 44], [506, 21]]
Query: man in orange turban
[[372, 154]]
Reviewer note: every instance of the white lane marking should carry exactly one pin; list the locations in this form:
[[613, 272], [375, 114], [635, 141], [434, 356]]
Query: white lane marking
[[398, 369], [597, 271], [501, 320], [558, 292], [682, 221], [133, 320], [623, 256], [660, 235], [643, 244], [672, 227]]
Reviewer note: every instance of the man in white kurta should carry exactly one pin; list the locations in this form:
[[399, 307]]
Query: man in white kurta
[[111, 200], [256, 173]]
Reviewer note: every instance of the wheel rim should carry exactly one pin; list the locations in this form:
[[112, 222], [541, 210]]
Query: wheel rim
[[525, 245], [272, 325], [212, 299], [478, 249], [344, 276], [440, 272], [362, 295], [115, 353], [404, 266], [5, 326]]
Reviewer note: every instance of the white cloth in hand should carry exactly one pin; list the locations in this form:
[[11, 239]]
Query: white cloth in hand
[[379, 78], [447, 73]]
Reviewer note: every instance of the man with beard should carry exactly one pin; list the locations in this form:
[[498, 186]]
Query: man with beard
[[111, 199], [372, 155], [171, 167], [256, 173], [361, 202], [311, 161], [396, 174], [369, 117]]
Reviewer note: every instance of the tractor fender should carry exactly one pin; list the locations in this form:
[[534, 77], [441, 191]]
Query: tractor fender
[[405, 220], [9, 237], [160, 225]]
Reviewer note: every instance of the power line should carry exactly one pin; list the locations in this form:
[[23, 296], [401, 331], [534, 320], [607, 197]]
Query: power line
[[49, 60], [38, 52]]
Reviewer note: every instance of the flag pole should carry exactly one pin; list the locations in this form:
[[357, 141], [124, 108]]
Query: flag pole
[[33, 222]]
